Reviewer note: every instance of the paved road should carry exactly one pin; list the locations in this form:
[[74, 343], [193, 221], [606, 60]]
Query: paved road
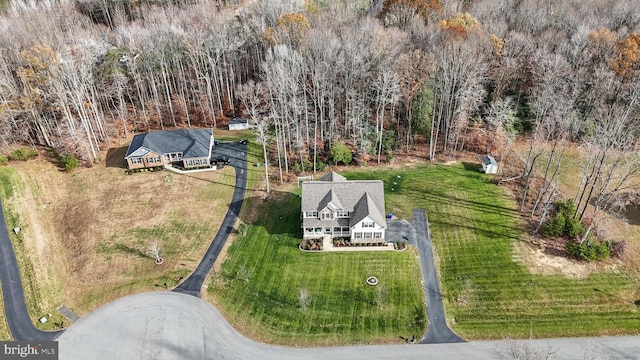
[[237, 154], [15, 308], [437, 331], [166, 325]]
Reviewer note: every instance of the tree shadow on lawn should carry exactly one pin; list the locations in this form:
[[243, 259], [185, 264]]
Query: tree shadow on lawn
[[279, 213], [472, 166], [443, 199], [115, 157], [511, 231]]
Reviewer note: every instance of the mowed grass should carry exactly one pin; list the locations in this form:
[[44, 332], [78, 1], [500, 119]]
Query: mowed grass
[[486, 292], [264, 273], [8, 181]]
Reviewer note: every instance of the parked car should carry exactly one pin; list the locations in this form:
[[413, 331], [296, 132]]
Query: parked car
[[222, 159]]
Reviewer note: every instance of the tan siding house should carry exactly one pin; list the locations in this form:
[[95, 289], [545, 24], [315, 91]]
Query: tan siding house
[[185, 148]]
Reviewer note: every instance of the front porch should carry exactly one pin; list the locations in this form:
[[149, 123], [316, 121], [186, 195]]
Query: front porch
[[321, 232]]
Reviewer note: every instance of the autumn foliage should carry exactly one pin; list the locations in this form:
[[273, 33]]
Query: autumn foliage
[[422, 7], [460, 25], [627, 63]]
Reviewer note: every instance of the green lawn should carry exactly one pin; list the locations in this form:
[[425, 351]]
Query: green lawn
[[261, 279], [486, 293]]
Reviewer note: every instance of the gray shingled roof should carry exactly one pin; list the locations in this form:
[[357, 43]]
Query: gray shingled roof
[[192, 143], [238, 121], [488, 160], [330, 198], [360, 197], [332, 176], [366, 207]]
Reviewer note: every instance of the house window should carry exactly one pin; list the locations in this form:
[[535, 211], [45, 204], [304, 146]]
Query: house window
[[318, 230], [345, 229], [343, 214], [367, 224], [377, 235], [308, 230], [368, 235], [311, 214], [357, 235], [189, 162], [136, 160], [151, 160], [158, 159], [327, 216]]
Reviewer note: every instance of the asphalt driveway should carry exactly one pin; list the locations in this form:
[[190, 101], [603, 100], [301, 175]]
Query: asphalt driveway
[[437, 331], [15, 308], [237, 154]]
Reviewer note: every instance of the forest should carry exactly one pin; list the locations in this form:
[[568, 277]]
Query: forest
[[316, 77]]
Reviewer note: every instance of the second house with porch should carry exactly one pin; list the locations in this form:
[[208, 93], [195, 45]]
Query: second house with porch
[[336, 207]]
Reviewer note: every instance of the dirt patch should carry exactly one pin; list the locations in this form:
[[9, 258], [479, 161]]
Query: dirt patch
[[541, 262]]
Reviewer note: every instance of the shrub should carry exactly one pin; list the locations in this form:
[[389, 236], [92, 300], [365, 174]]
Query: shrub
[[341, 153], [23, 154], [3, 160], [69, 162], [563, 224], [320, 166], [588, 250], [554, 227]]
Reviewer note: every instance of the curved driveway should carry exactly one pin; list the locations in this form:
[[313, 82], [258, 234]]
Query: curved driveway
[[237, 153], [166, 325], [15, 308]]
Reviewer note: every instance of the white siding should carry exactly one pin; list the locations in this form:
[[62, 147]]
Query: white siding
[[490, 169], [360, 229]]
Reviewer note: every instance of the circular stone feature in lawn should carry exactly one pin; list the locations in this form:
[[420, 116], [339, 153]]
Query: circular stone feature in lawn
[[159, 261], [372, 280]]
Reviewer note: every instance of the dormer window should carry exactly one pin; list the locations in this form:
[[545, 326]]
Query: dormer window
[[368, 224], [343, 214], [312, 214], [327, 216]]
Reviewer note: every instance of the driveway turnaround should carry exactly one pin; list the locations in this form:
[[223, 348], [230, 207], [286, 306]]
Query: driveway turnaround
[[237, 154], [169, 325], [15, 308], [437, 331]]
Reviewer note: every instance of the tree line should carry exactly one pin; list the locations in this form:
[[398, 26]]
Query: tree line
[[374, 76]]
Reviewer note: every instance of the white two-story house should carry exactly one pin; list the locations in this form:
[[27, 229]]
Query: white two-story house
[[336, 207]]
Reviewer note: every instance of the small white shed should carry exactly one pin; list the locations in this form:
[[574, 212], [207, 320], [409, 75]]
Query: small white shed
[[238, 124], [489, 165]]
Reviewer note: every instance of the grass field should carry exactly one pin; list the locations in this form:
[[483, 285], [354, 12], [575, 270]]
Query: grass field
[[487, 292], [86, 235], [9, 185], [264, 273]]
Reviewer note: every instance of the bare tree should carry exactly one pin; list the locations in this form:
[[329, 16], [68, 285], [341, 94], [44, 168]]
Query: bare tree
[[304, 297], [251, 96], [524, 350], [155, 250]]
